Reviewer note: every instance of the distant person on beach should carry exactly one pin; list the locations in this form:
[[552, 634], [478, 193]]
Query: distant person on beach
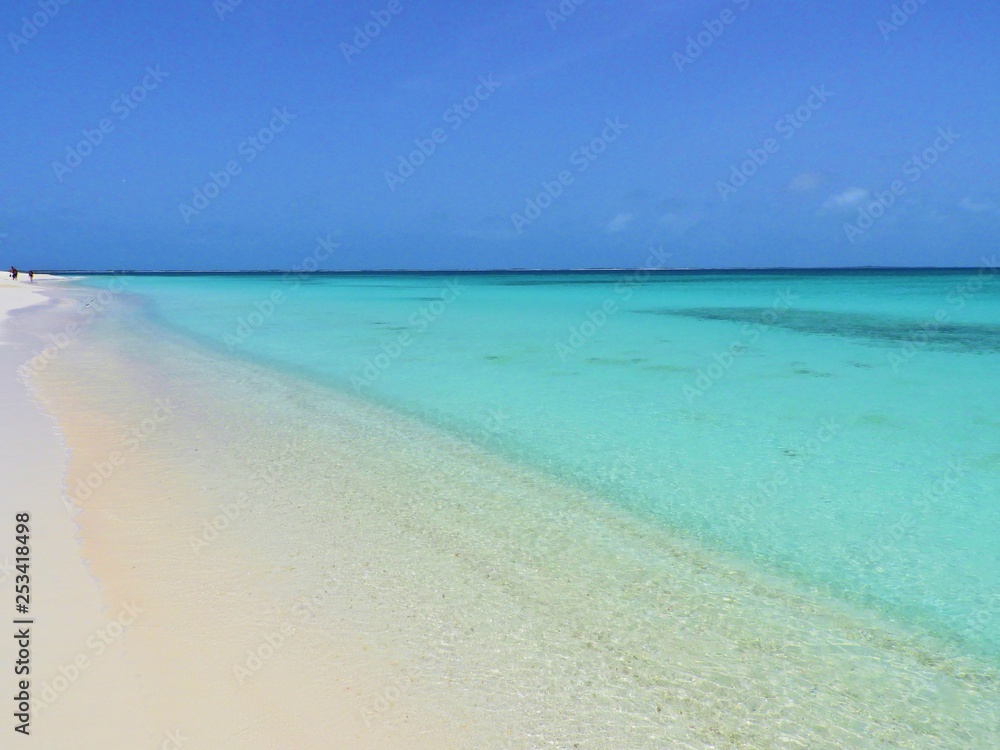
[[13, 272], [31, 276]]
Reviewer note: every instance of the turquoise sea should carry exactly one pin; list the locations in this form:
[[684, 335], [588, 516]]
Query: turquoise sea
[[835, 432]]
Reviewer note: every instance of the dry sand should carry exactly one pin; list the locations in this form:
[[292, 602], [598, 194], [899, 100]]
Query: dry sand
[[70, 615], [133, 645]]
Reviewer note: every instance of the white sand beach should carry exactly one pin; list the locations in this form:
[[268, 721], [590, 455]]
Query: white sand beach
[[131, 645], [71, 620]]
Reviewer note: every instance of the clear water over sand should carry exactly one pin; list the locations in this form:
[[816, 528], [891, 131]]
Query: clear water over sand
[[720, 510]]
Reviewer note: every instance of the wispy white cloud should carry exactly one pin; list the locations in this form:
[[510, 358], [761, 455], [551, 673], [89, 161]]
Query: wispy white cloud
[[619, 223], [978, 206], [850, 198]]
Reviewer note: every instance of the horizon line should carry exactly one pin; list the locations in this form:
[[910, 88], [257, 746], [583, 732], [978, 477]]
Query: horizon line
[[595, 269]]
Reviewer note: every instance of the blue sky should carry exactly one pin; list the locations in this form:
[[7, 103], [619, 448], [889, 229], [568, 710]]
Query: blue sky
[[513, 134]]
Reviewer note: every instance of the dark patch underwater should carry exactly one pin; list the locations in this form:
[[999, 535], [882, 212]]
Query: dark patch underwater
[[874, 329]]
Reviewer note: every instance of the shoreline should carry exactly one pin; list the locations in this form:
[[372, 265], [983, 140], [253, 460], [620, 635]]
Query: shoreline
[[152, 646], [345, 604]]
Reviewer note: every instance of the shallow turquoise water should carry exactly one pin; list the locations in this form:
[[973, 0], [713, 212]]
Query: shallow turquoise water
[[839, 429]]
